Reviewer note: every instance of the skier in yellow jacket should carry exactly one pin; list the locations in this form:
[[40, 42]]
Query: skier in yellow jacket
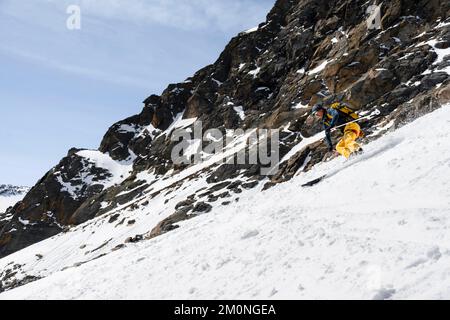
[[337, 116]]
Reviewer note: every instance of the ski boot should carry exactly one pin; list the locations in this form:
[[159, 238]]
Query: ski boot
[[356, 153]]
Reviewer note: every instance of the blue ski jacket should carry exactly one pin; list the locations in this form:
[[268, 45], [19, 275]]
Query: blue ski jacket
[[331, 119]]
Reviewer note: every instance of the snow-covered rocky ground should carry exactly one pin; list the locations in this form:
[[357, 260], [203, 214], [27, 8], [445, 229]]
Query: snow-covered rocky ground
[[377, 228]]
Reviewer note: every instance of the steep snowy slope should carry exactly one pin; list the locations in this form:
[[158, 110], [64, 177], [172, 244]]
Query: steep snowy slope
[[377, 228]]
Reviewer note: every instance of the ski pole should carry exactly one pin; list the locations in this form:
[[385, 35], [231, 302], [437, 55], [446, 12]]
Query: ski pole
[[373, 114]]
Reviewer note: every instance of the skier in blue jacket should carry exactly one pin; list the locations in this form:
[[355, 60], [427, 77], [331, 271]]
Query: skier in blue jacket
[[336, 116]]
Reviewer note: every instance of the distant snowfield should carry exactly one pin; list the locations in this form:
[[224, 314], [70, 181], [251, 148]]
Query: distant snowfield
[[6, 202], [378, 228]]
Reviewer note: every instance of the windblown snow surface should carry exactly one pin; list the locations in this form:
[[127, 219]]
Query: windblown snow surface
[[377, 228]]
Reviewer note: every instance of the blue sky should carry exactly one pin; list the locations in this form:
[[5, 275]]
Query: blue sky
[[63, 88]]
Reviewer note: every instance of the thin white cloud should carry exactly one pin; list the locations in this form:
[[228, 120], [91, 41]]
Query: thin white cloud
[[125, 41], [77, 70], [223, 15]]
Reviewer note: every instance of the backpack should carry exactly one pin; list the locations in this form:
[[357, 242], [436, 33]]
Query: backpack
[[349, 113], [342, 108]]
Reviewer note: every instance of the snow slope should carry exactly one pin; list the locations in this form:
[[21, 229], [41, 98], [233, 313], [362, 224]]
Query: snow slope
[[377, 228]]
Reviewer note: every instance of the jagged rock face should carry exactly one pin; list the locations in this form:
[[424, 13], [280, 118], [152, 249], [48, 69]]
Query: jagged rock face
[[52, 202], [307, 50]]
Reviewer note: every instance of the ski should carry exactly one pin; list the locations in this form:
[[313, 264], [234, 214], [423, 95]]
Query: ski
[[354, 158], [314, 182]]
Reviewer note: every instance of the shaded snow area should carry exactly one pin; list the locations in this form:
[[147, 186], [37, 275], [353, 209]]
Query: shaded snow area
[[376, 228]]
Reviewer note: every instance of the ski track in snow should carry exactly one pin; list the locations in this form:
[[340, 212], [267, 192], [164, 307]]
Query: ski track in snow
[[378, 228]]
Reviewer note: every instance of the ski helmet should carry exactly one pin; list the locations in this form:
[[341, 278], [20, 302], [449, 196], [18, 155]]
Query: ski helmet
[[317, 108]]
